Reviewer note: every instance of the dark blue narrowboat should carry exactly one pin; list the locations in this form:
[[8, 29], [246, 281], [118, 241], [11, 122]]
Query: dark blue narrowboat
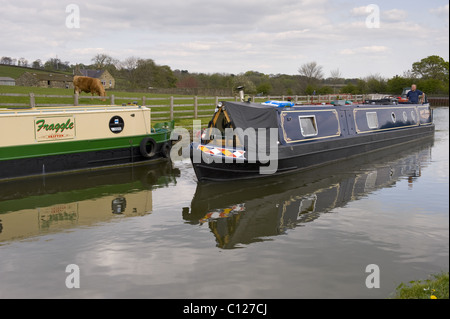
[[248, 140]]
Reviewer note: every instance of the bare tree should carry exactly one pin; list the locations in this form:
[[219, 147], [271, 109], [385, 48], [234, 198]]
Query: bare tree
[[336, 77], [6, 60], [128, 67], [101, 60], [409, 74], [311, 71], [310, 75], [129, 63], [336, 74], [22, 62]]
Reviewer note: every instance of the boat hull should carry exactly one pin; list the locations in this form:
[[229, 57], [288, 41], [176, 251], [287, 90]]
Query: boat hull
[[39, 141], [86, 160], [307, 155]]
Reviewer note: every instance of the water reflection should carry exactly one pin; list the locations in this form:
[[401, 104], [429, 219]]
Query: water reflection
[[41, 205], [245, 212]]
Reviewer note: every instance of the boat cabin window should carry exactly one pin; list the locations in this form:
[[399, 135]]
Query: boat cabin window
[[372, 119], [308, 125]]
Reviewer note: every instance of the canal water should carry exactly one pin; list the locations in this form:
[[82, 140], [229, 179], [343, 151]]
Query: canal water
[[354, 229]]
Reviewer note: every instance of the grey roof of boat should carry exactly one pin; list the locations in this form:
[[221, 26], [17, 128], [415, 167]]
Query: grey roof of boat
[[245, 115]]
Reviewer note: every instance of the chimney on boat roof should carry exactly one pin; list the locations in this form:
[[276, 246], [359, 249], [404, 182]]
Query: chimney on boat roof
[[241, 92]]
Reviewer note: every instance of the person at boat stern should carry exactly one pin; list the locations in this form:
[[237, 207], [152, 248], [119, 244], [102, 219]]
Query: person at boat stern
[[414, 94]]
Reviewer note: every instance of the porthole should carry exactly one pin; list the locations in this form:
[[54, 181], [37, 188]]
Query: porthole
[[393, 117]]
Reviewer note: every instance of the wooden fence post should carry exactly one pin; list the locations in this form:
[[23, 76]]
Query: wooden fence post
[[113, 100], [143, 100], [195, 107], [75, 99], [32, 101], [171, 108]]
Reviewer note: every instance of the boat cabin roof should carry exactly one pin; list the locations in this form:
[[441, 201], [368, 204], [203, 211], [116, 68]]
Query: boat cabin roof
[[255, 115], [67, 109], [245, 115]]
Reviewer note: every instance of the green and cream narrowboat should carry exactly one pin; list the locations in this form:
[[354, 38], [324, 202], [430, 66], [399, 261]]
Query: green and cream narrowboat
[[37, 141]]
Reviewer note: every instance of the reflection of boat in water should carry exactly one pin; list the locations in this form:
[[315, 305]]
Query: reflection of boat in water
[[248, 211], [54, 203]]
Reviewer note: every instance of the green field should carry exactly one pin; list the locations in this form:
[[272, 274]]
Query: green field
[[15, 71], [159, 103]]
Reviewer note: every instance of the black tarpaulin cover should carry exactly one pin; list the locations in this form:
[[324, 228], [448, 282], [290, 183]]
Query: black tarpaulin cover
[[245, 115], [253, 116]]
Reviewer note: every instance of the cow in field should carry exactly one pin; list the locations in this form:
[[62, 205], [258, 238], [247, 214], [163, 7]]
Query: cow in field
[[88, 85]]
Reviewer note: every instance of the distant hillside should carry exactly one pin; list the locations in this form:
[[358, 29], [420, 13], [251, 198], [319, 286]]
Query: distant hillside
[[16, 71]]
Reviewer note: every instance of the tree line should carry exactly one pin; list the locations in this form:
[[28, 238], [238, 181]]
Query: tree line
[[431, 74]]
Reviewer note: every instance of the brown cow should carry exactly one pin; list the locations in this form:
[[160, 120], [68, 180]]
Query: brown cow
[[88, 85]]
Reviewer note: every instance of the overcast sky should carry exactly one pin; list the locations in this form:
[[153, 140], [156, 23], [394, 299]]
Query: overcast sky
[[232, 36]]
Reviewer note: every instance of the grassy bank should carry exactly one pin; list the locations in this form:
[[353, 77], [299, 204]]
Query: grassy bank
[[159, 103], [434, 288], [15, 72]]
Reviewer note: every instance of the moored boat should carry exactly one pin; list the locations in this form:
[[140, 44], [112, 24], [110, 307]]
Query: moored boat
[[36, 141], [248, 140]]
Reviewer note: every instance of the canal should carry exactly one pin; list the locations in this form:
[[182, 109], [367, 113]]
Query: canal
[[154, 232]]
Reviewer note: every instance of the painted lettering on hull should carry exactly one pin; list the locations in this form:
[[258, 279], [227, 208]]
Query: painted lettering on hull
[[54, 128]]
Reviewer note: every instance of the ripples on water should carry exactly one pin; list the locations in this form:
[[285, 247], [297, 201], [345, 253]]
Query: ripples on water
[[154, 232]]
